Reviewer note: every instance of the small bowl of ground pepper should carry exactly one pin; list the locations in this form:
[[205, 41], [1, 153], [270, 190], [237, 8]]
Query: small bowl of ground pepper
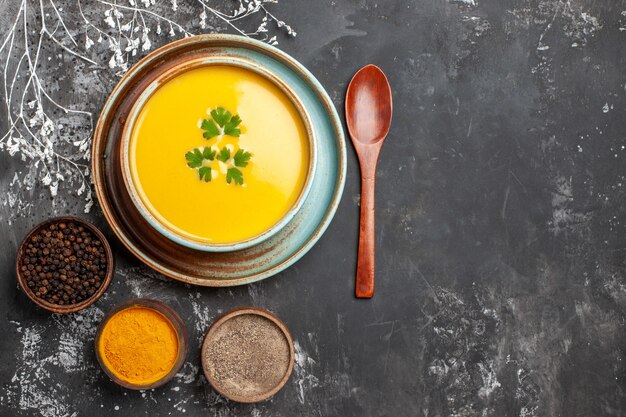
[[64, 264], [141, 344], [248, 355]]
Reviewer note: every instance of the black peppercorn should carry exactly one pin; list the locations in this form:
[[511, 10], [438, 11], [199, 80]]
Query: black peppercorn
[[63, 263]]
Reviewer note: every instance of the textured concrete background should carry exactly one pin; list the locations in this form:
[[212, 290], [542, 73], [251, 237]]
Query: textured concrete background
[[501, 287]]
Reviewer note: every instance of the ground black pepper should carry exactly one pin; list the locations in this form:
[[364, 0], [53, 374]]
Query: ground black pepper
[[64, 263], [248, 355]]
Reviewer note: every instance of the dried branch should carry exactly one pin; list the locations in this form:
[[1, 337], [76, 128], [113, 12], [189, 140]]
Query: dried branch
[[54, 138]]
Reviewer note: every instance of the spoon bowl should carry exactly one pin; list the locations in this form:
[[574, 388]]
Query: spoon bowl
[[369, 109], [369, 105]]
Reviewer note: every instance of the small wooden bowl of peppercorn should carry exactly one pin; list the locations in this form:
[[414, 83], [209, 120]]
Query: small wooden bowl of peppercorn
[[64, 264]]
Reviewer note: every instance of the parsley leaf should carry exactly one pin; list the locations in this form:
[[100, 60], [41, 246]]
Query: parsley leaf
[[194, 158], [230, 128], [242, 158], [205, 172], [225, 120], [221, 116], [221, 122], [234, 174], [208, 154], [224, 154], [210, 128]]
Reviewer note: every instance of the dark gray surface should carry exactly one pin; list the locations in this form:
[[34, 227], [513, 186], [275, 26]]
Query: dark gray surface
[[500, 234]]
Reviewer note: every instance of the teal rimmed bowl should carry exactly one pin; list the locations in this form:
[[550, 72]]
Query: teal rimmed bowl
[[243, 266], [144, 206]]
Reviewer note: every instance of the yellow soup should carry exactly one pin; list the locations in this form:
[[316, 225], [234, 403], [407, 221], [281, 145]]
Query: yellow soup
[[171, 124]]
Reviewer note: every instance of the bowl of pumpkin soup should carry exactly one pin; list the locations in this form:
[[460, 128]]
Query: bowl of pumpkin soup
[[218, 154]]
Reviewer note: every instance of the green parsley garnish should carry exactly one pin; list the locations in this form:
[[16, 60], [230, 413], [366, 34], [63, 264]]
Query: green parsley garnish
[[221, 122], [242, 158], [230, 128], [196, 156], [224, 154], [208, 154], [221, 116], [234, 174], [205, 172], [210, 129]]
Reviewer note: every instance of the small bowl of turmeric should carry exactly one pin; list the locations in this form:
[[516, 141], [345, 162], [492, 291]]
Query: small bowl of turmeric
[[141, 344]]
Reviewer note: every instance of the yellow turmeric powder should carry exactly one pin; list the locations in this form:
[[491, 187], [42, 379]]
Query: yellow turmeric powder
[[139, 345]]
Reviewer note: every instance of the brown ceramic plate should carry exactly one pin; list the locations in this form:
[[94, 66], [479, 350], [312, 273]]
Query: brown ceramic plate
[[168, 313], [225, 268], [69, 308], [284, 338]]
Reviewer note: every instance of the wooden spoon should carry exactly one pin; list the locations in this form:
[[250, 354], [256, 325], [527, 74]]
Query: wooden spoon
[[368, 115]]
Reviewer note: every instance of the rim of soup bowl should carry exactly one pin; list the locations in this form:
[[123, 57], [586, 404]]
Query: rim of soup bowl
[[145, 95]]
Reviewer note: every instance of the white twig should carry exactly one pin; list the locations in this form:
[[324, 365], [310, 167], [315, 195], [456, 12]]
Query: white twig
[[54, 138]]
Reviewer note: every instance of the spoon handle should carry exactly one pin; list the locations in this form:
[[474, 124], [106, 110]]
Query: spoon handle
[[366, 256]]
